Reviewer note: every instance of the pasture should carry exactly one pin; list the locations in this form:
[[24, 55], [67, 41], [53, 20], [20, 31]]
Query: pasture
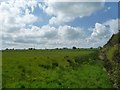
[[79, 68]]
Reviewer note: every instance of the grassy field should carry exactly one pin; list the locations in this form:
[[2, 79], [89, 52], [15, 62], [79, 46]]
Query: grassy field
[[78, 68], [0, 70]]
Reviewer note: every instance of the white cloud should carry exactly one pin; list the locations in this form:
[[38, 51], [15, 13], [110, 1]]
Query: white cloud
[[15, 16], [66, 11], [113, 24], [62, 36], [45, 36], [74, 1], [27, 18], [102, 32], [71, 33]]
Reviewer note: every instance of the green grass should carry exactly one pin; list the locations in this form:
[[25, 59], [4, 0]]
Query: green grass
[[0, 69], [53, 69], [110, 53]]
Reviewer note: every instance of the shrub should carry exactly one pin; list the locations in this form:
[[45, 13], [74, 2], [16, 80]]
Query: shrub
[[74, 48], [20, 66], [46, 66], [91, 48], [22, 86], [66, 56], [7, 49], [54, 65], [79, 60]]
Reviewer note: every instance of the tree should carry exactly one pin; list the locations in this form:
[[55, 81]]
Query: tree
[[65, 48], [74, 47], [91, 48], [99, 47], [7, 49]]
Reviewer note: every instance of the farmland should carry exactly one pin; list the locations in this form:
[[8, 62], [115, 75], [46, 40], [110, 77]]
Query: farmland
[[79, 68]]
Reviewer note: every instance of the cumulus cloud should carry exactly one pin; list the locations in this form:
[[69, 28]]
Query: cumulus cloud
[[46, 35], [51, 37], [16, 16], [102, 32], [70, 33], [64, 12], [113, 24], [74, 1], [62, 36]]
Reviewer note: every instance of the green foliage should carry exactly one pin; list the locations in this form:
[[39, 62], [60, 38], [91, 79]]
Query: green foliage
[[74, 47], [114, 40], [79, 68], [111, 54]]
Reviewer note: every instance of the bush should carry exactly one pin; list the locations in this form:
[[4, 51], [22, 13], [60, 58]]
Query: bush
[[46, 66], [54, 65], [91, 48], [74, 48], [6, 49], [79, 60]]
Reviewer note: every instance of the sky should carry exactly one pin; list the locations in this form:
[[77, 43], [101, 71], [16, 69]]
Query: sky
[[51, 24]]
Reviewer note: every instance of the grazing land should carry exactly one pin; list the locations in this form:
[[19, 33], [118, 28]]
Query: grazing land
[[66, 68]]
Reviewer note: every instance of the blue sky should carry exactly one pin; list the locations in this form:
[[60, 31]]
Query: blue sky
[[100, 16], [57, 24]]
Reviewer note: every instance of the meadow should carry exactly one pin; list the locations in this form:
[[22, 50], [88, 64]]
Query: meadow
[[66, 68]]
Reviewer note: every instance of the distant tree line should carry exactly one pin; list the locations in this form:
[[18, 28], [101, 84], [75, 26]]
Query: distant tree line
[[64, 48]]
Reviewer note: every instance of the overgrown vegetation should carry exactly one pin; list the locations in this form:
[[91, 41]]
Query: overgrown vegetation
[[111, 56], [78, 68]]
